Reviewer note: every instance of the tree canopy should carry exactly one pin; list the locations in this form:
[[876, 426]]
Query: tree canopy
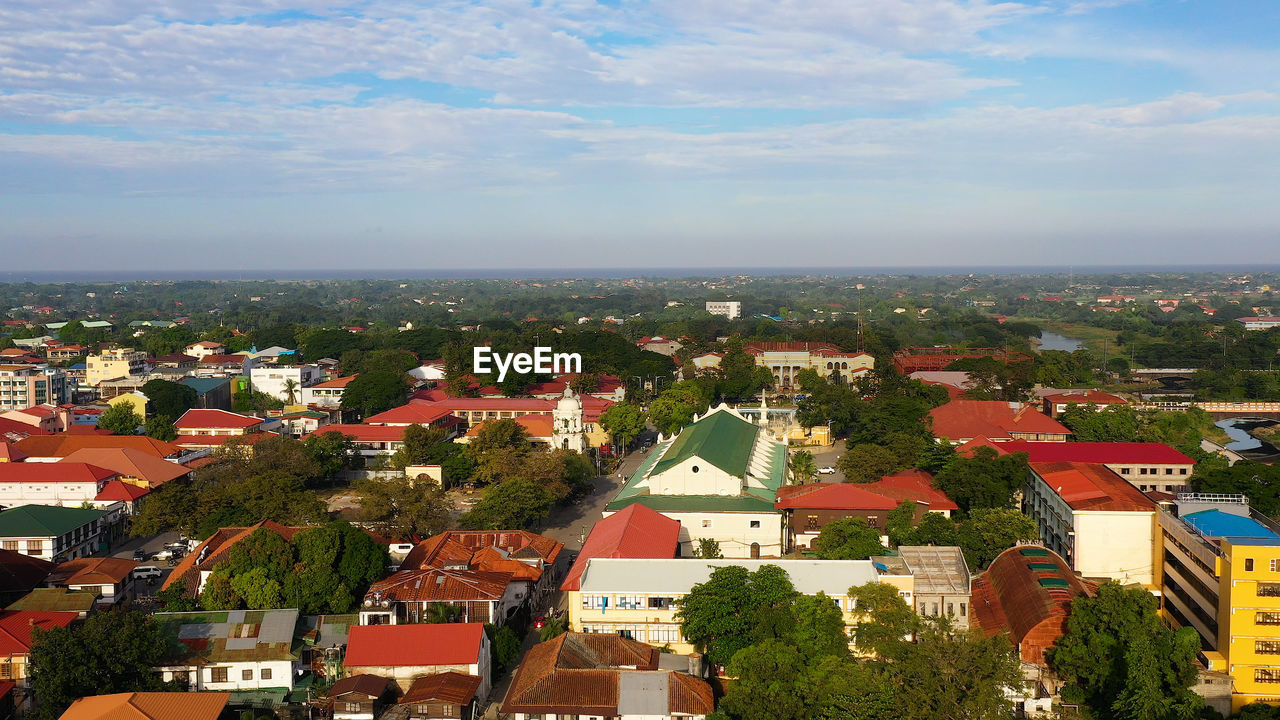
[[848, 539], [120, 419]]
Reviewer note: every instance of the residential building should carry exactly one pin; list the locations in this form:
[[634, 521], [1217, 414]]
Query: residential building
[[1057, 403], [635, 531], [65, 352], [285, 382], [47, 418], [67, 484], [149, 706], [175, 361], [52, 448], [442, 696], [487, 575], [53, 533], [212, 393], [731, 309], [328, 393], [361, 697], [225, 365], [637, 598], [56, 600], [1150, 467], [786, 360], [719, 477], [660, 345], [114, 363], [1221, 576], [1259, 323], [585, 675], [811, 506], [1025, 595], [107, 578], [204, 348], [130, 465], [960, 421], [1101, 525], [24, 386], [405, 652], [230, 650], [210, 429], [15, 639]]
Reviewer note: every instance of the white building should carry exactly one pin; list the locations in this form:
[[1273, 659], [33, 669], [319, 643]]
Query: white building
[[731, 309], [719, 477], [53, 533], [236, 649], [405, 652], [23, 386], [275, 379], [327, 394], [1259, 323], [204, 348], [1104, 527], [67, 484]]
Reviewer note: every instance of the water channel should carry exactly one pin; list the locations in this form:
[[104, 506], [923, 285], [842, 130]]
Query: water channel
[[1247, 445], [1054, 341]]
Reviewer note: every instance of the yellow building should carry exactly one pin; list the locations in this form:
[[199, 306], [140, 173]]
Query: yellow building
[[787, 359], [114, 363], [136, 400], [1222, 577]]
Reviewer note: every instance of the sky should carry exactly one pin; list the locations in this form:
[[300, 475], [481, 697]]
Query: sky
[[297, 134]]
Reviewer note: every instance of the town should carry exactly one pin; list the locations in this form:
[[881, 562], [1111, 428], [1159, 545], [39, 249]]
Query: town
[[1004, 496]]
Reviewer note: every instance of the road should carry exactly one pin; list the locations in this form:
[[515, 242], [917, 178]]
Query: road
[[151, 545], [828, 457]]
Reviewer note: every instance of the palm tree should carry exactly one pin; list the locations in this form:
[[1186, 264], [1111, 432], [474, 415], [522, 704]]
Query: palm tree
[[803, 468], [290, 390]]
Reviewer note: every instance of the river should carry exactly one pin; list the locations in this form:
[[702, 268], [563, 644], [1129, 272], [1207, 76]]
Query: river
[[1054, 341], [1246, 444]]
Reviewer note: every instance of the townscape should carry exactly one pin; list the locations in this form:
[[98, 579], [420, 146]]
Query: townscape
[[807, 496]]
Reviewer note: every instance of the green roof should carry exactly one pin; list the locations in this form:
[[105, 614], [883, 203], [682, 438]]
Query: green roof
[[45, 520], [203, 385], [1034, 552], [1043, 566], [55, 600], [1053, 582], [721, 438], [230, 635], [696, 503]]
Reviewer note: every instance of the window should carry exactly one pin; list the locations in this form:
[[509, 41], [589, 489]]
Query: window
[[6, 670], [1266, 647], [951, 608], [664, 634], [1275, 564], [246, 674], [217, 674], [661, 603], [265, 674], [1248, 564], [630, 602], [694, 469], [1168, 471], [706, 523], [754, 523], [594, 602], [1264, 675], [1182, 471], [353, 707], [1142, 471], [1266, 618], [1268, 589], [10, 545], [963, 610], [35, 547]]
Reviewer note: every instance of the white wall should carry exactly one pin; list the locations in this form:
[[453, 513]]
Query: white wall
[[694, 476], [733, 531], [1116, 545]]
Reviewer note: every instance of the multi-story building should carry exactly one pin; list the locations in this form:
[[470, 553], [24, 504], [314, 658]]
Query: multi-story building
[[1057, 403], [719, 477], [204, 348], [53, 533], [326, 394], [285, 382], [787, 359], [1100, 524], [22, 386], [1221, 576], [731, 309], [1259, 323], [1150, 467], [114, 363], [68, 484], [961, 421], [939, 580], [237, 650]]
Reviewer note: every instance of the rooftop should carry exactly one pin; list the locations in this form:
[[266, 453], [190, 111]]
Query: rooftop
[[39, 521], [636, 531], [1092, 487], [129, 462], [16, 627], [996, 419], [149, 706], [414, 645], [676, 576], [1026, 593], [55, 600], [451, 687], [1114, 453], [1218, 524], [64, 444], [197, 418], [936, 569], [59, 472], [197, 638]]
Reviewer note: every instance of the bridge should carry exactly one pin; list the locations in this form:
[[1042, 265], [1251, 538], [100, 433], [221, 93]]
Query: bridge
[[1221, 410], [1165, 373]]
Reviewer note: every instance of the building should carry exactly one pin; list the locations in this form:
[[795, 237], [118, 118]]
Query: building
[[660, 345], [473, 411], [1101, 525], [637, 598], [442, 696], [136, 401], [148, 706], [209, 429], [939, 580], [212, 393], [67, 484], [914, 486], [914, 359], [578, 674], [225, 365], [1056, 403], [719, 477], [53, 533], [328, 393], [405, 652], [204, 348], [371, 440], [1150, 467], [52, 448], [56, 600], [114, 363], [811, 507], [230, 650], [731, 309], [24, 386], [706, 362], [107, 578], [196, 566], [1025, 595], [786, 360], [15, 639], [284, 382], [180, 362], [1259, 323], [361, 697], [635, 531], [960, 421], [130, 465]]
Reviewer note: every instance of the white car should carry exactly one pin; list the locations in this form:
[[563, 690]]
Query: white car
[[828, 470], [146, 572]]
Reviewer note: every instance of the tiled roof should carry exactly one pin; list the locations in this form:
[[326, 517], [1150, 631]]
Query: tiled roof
[[1092, 486], [373, 686], [64, 444], [636, 531], [199, 638], [832, 496], [414, 645], [1009, 598], [216, 549], [149, 706], [130, 462], [1107, 453], [14, 431], [535, 426], [964, 419], [92, 571], [178, 358], [120, 491], [336, 382], [197, 418], [437, 585], [451, 687], [16, 626], [915, 486], [223, 360], [59, 472], [413, 412], [463, 547], [20, 573], [9, 453], [56, 600]]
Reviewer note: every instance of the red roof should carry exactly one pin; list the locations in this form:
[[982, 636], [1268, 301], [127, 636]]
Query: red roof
[[1107, 453], [831, 496], [366, 433], [451, 687], [336, 382], [117, 490], [1092, 486], [1009, 599], [14, 431], [424, 645], [55, 472], [518, 552], [1096, 397], [215, 419], [915, 486], [222, 360], [410, 414], [130, 462], [535, 426], [997, 419], [212, 441], [16, 625], [9, 453], [635, 531], [438, 585]]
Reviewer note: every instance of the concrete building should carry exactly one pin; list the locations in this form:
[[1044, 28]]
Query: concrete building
[[327, 394], [961, 421], [731, 309], [719, 477], [406, 652], [204, 348], [939, 581], [1259, 323], [1150, 467], [811, 506], [23, 386], [65, 484], [787, 359], [1100, 524], [228, 656], [114, 363], [275, 380], [1057, 403], [53, 533]]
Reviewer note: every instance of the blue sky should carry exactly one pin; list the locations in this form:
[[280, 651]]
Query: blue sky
[[315, 134]]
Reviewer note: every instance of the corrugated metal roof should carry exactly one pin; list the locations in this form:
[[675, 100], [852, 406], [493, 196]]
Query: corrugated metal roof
[[677, 576], [721, 438]]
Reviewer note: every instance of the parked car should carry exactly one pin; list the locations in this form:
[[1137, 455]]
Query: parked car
[[164, 554], [146, 572], [141, 555], [828, 470]]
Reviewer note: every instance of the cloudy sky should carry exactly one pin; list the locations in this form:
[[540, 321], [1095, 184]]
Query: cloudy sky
[[240, 134]]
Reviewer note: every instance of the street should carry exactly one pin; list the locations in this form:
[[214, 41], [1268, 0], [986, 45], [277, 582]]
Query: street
[[152, 545]]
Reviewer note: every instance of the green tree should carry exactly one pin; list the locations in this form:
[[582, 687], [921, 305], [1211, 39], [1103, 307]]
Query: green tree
[[120, 419], [374, 391], [719, 616], [1118, 658], [864, 463], [985, 480], [889, 620], [514, 504], [740, 377], [947, 674], [419, 446], [506, 647], [169, 398], [624, 422], [404, 507], [1259, 482], [160, 427], [332, 452], [552, 628], [848, 539], [803, 467], [708, 549], [439, 613], [174, 598], [110, 652], [290, 391], [1116, 423], [499, 434], [257, 590], [987, 532]]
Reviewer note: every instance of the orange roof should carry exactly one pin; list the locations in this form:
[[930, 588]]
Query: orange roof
[[130, 462], [117, 490], [997, 419], [16, 626], [1010, 598], [215, 550], [213, 441], [437, 585], [412, 413], [336, 382], [636, 531], [831, 496], [149, 706], [197, 418], [465, 547], [91, 571], [1092, 486], [9, 453], [536, 426], [915, 486], [365, 433], [59, 472], [64, 444], [451, 687]]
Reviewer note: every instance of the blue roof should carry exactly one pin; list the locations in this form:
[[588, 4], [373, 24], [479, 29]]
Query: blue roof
[[1218, 524]]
